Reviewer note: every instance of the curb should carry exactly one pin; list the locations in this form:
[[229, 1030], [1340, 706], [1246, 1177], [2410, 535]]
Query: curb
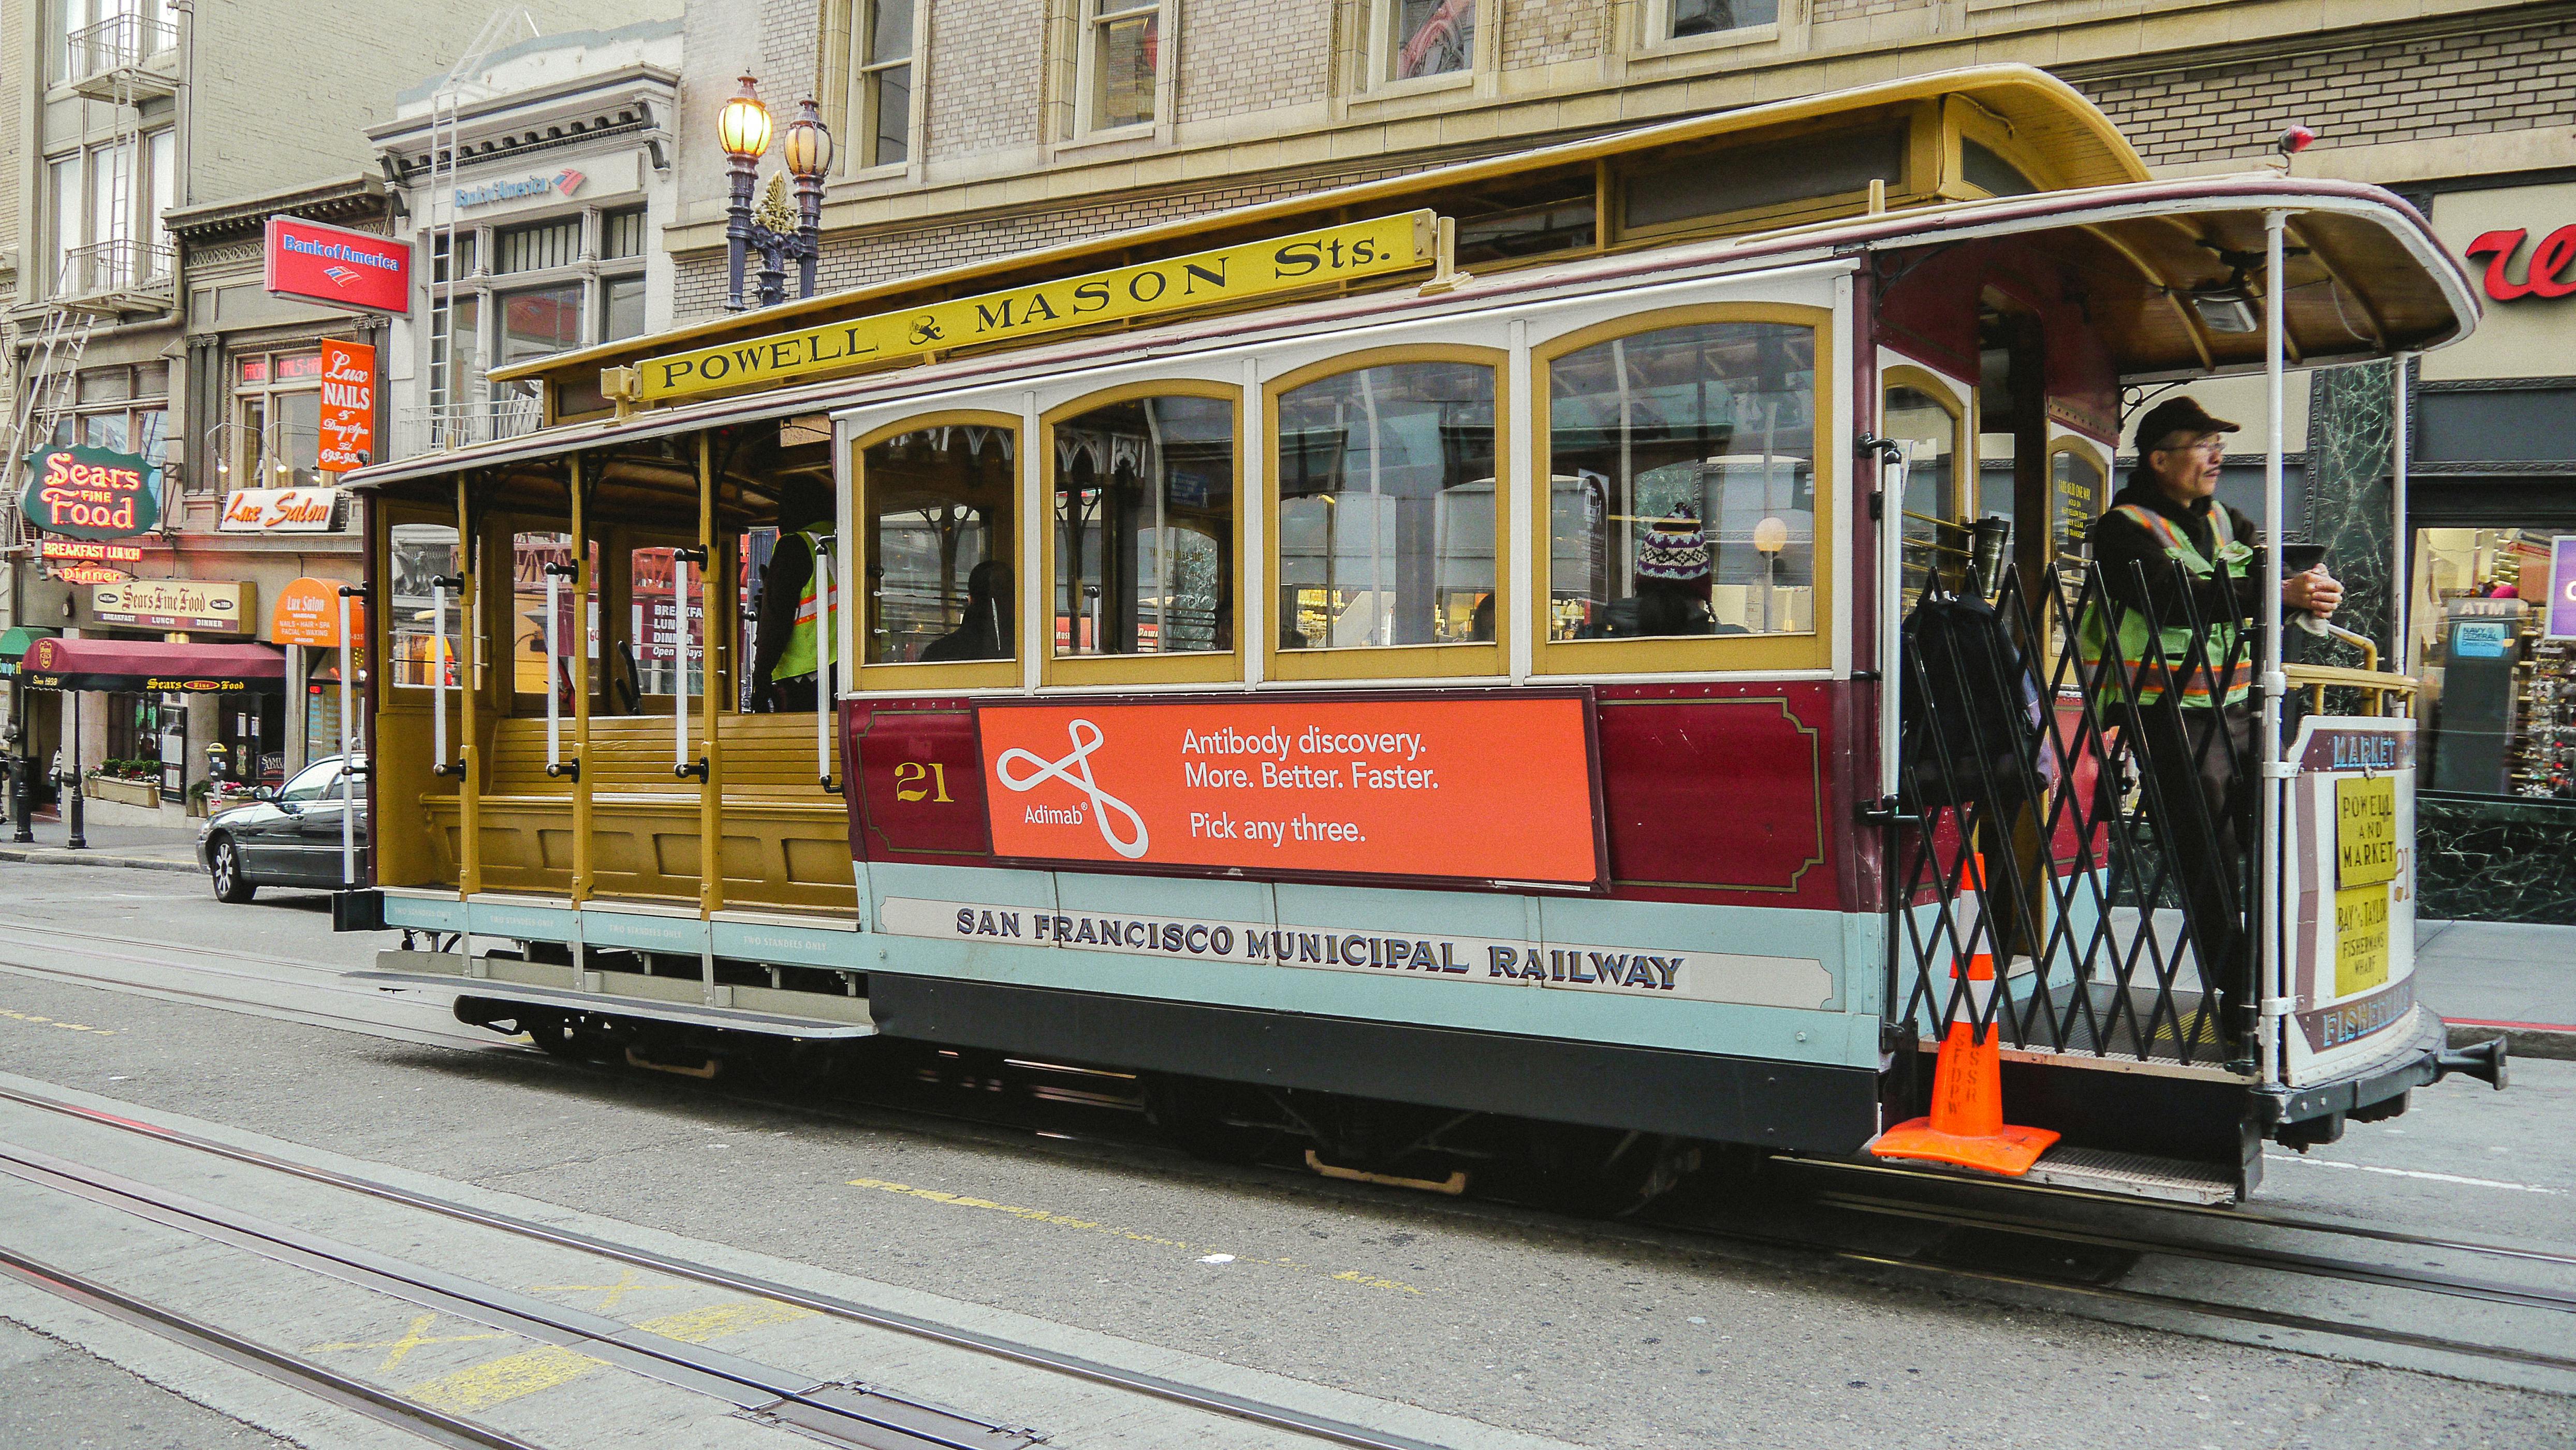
[[59, 856], [2521, 1039]]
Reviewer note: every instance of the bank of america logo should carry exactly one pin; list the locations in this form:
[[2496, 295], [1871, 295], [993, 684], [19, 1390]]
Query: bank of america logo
[[569, 181], [340, 276]]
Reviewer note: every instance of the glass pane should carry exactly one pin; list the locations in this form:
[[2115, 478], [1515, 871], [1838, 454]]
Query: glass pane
[[2498, 707], [890, 103], [529, 556], [1934, 539], [104, 430], [621, 233], [299, 367], [161, 152], [1994, 496], [889, 30], [937, 542], [1144, 520], [1711, 17], [422, 644], [312, 783], [1683, 483], [539, 322], [64, 196], [544, 244], [623, 298], [298, 440], [653, 622], [1386, 508], [1432, 37], [1123, 87], [2078, 482], [151, 433]]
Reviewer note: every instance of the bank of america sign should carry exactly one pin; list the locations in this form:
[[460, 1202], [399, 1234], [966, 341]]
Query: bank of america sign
[[565, 182]]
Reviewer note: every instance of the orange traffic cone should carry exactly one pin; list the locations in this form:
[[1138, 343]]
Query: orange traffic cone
[[1967, 1126]]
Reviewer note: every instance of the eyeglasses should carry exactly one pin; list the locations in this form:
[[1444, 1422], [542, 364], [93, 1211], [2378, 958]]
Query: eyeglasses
[[2213, 446]]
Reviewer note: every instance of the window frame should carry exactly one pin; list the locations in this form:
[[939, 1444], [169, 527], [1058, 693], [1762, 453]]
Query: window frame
[[1182, 668], [1658, 37], [1490, 659], [1957, 398], [1090, 17], [1376, 78], [860, 109], [941, 675], [1672, 655]]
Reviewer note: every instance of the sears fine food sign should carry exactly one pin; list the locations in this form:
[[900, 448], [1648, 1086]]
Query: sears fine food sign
[[91, 493], [2562, 587], [337, 267]]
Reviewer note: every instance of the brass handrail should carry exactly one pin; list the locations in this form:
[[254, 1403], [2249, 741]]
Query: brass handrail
[[2317, 679]]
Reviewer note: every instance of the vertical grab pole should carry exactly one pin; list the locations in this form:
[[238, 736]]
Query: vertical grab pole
[[2270, 983], [554, 700], [680, 765], [1892, 463], [711, 653], [826, 625], [348, 749], [581, 586], [469, 807], [2401, 589], [438, 659]]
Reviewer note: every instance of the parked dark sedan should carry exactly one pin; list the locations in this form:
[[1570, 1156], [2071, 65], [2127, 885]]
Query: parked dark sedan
[[289, 837]]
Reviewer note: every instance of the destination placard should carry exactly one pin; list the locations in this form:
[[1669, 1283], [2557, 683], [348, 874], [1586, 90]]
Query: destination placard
[[2365, 831], [1217, 278], [1636, 969]]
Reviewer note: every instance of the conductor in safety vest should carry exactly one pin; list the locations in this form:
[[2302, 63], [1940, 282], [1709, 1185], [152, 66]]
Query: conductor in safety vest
[[2185, 582], [788, 654]]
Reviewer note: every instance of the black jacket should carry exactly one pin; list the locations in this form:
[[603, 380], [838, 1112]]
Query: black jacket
[[2124, 548]]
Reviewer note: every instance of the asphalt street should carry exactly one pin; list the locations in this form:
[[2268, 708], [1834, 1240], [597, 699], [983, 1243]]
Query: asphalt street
[[1582, 1333]]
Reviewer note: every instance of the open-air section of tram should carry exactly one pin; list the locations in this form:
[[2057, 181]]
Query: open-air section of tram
[[1590, 654]]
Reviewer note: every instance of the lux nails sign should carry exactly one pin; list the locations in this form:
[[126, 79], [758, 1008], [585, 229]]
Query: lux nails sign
[[2545, 275]]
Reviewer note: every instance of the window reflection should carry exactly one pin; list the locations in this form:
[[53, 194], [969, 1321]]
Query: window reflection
[[1682, 495], [1144, 519], [1936, 542], [530, 554], [938, 545], [653, 615], [423, 645], [1386, 508]]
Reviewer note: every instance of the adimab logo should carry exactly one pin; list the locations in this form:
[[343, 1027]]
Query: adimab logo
[[1074, 769]]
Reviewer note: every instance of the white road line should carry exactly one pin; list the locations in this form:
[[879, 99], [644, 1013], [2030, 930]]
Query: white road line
[[2411, 1173]]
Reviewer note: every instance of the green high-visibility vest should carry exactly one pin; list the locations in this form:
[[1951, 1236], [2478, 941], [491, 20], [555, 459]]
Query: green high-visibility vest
[[800, 658], [2151, 671]]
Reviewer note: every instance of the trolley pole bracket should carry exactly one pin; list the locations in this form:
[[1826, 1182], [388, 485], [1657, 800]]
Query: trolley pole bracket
[[1887, 810], [695, 770]]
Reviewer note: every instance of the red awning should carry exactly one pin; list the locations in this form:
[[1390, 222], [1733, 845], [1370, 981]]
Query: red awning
[[146, 666]]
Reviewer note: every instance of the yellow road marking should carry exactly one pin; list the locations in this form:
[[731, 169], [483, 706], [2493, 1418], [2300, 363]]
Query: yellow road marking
[[515, 1375], [1062, 1220], [611, 1295], [33, 1020], [412, 1338]]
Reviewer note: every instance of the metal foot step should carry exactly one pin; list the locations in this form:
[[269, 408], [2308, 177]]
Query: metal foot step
[[2133, 1175]]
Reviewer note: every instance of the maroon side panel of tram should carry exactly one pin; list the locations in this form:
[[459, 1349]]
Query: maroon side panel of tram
[[1713, 792]]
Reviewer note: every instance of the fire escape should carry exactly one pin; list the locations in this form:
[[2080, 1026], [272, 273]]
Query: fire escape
[[124, 61]]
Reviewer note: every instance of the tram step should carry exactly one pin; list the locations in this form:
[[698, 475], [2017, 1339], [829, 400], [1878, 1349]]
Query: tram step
[[2134, 1175]]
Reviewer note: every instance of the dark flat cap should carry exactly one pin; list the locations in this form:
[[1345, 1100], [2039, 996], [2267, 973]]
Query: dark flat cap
[[2177, 415]]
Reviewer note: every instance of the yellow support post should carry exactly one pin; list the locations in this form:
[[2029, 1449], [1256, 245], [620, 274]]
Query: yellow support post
[[469, 812], [581, 786], [711, 786]]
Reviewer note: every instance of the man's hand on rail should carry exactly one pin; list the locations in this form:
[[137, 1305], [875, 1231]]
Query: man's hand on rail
[[2316, 591]]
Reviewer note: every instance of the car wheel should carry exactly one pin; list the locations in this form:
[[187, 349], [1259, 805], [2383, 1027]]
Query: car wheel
[[223, 864]]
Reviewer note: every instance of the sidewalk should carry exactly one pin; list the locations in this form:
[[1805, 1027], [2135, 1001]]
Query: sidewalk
[[2501, 978], [146, 848]]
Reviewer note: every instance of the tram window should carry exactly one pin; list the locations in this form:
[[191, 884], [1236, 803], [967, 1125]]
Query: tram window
[[653, 616], [1386, 508], [1935, 541], [529, 556], [1683, 494], [937, 539], [423, 645], [1144, 528]]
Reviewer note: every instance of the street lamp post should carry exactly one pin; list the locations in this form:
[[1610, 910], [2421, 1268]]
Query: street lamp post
[[743, 129]]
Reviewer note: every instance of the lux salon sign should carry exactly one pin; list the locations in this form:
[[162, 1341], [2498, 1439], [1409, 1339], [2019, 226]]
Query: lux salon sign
[[279, 511]]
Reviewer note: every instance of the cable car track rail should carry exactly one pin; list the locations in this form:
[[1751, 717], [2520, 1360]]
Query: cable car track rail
[[1153, 1386]]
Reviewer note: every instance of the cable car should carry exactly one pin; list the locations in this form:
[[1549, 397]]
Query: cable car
[[1443, 666]]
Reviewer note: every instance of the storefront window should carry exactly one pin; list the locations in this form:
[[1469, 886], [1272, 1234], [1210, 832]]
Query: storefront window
[[539, 321], [2497, 713], [1144, 503], [653, 621], [622, 308], [1427, 38], [1386, 508], [278, 418], [530, 554], [1692, 450], [937, 542]]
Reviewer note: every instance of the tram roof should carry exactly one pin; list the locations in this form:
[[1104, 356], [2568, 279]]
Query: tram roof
[[2040, 124], [2367, 278]]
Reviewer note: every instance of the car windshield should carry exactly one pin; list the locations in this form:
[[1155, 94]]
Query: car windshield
[[312, 784]]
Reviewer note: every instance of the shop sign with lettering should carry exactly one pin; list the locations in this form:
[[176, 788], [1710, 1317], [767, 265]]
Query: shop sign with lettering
[[2546, 268], [90, 549], [2561, 620], [279, 511], [337, 267], [308, 613], [91, 493], [83, 572], [177, 604], [348, 406], [1226, 276]]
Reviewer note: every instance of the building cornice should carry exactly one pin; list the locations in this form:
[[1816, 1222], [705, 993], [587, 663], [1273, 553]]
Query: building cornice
[[350, 198]]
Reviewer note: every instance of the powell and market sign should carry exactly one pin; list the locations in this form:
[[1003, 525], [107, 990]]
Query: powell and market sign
[[1149, 289]]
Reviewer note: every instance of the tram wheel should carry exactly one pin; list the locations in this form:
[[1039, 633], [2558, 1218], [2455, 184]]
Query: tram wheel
[[1606, 1173], [1203, 1119]]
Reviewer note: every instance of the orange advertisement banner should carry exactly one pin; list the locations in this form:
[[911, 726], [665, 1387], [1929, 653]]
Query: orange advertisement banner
[[1487, 790]]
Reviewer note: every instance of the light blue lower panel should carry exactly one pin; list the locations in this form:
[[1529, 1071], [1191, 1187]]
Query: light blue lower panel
[[787, 944], [997, 927], [424, 913], [601, 927], [522, 923]]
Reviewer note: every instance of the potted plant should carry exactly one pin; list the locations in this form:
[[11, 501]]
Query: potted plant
[[115, 780]]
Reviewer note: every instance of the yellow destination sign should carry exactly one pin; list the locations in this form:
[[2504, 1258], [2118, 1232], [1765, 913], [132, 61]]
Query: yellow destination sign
[[2361, 939], [2365, 831], [1148, 289]]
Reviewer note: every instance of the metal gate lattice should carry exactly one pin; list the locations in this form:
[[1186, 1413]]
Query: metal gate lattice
[[2113, 826]]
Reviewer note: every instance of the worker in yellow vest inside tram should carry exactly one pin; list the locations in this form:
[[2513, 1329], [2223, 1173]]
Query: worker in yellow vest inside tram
[[788, 657], [2186, 579]]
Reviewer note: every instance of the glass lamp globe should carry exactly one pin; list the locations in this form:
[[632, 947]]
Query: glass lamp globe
[[743, 126]]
